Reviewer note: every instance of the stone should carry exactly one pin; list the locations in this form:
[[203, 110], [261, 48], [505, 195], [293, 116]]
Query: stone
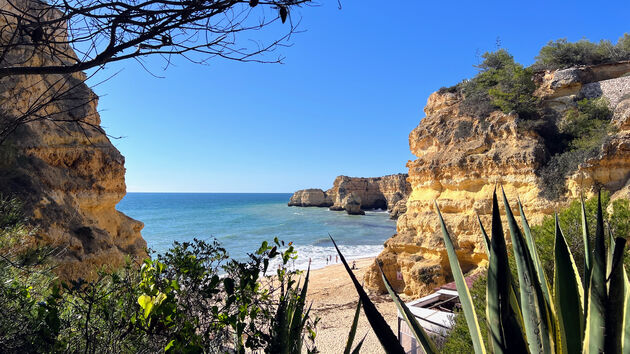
[[374, 192], [399, 209], [310, 198], [352, 204]]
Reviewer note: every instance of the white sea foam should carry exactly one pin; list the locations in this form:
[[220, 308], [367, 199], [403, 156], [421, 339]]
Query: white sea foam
[[318, 254]]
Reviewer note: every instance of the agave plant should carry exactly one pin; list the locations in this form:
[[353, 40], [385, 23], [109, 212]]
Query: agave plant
[[587, 315]]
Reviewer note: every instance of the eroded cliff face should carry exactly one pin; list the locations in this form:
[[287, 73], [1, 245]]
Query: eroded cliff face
[[370, 193], [68, 174], [460, 159]]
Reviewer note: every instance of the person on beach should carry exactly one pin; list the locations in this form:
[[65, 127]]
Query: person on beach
[[354, 264], [336, 260]]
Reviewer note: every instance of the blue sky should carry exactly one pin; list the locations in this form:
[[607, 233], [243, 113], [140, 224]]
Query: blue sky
[[351, 88]]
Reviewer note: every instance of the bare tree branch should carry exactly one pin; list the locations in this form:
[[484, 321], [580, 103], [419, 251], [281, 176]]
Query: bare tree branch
[[52, 41]]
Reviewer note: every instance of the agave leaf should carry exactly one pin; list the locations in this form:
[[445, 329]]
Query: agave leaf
[[421, 336], [503, 321], [280, 339], [542, 277], [615, 303], [462, 289], [537, 318], [353, 329], [295, 332], [595, 317], [609, 254], [568, 295], [357, 349], [588, 258], [486, 239], [514, 300], [383, 332], [625, 341], [540, 272]]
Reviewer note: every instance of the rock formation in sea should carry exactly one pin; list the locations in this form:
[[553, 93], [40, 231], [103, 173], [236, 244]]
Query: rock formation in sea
[[371, 193], [68, 175], [460, 159]]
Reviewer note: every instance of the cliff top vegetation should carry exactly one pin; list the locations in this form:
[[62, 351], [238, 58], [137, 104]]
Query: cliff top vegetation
[[505, 85]]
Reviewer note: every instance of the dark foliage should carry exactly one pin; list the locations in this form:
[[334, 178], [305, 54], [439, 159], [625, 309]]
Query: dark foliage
[[579, 137], [562, 54], [501, 84], [193, 298], [570, 222]]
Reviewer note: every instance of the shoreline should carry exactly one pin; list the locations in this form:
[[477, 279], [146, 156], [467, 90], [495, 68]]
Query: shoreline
[[334, 300]]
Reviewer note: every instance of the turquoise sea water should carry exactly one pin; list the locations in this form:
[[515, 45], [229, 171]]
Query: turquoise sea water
[[240, 222]]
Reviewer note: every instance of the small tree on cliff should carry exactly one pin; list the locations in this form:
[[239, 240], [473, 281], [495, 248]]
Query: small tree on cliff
[[105, 31]]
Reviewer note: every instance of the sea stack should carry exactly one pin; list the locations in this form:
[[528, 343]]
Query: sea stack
[[371, 193]]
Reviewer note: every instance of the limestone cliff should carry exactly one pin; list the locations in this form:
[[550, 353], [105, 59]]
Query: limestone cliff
[[460, 159], [68, 174], [371, 193]]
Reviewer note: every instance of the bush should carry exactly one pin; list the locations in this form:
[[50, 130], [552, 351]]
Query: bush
[[571, 224], [582, 131], [193, 298], [27, 323], [562, 54], [501, 84]]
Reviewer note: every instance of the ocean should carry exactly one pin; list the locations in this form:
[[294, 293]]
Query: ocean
[[242, 221]]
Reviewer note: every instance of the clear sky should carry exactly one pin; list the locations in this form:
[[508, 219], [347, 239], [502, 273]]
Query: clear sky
[[351, 88]]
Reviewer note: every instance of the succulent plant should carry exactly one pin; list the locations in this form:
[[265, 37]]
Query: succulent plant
[[590, 315]]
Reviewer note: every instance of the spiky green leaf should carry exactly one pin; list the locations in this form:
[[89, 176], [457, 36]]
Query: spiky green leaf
[[595, 317], [588, 258], [357, 349], [540, 272], [625, 341], [616, 294], [353, 328], [295, 331], [503, 321], [462, 289], [568, 295], [537, 317], [383, 332]]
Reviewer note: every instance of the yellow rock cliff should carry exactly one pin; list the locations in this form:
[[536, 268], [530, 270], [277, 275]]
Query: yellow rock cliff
[[460, 159], [59, 162]]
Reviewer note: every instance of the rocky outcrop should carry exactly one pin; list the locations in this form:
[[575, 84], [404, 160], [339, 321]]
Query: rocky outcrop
[[460, 159], [373, 193], [352, 204], [310, 198], [68, 175], [399, 209]]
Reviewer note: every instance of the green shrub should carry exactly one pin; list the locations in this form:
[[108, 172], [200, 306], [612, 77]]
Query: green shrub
[[27, 323], [570, 222], [500, 84], [582, 131], [562, 54], [193, 298], [587, 124]]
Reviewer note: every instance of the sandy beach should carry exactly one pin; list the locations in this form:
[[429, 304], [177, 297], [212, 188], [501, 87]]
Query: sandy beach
[[334, 301]]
